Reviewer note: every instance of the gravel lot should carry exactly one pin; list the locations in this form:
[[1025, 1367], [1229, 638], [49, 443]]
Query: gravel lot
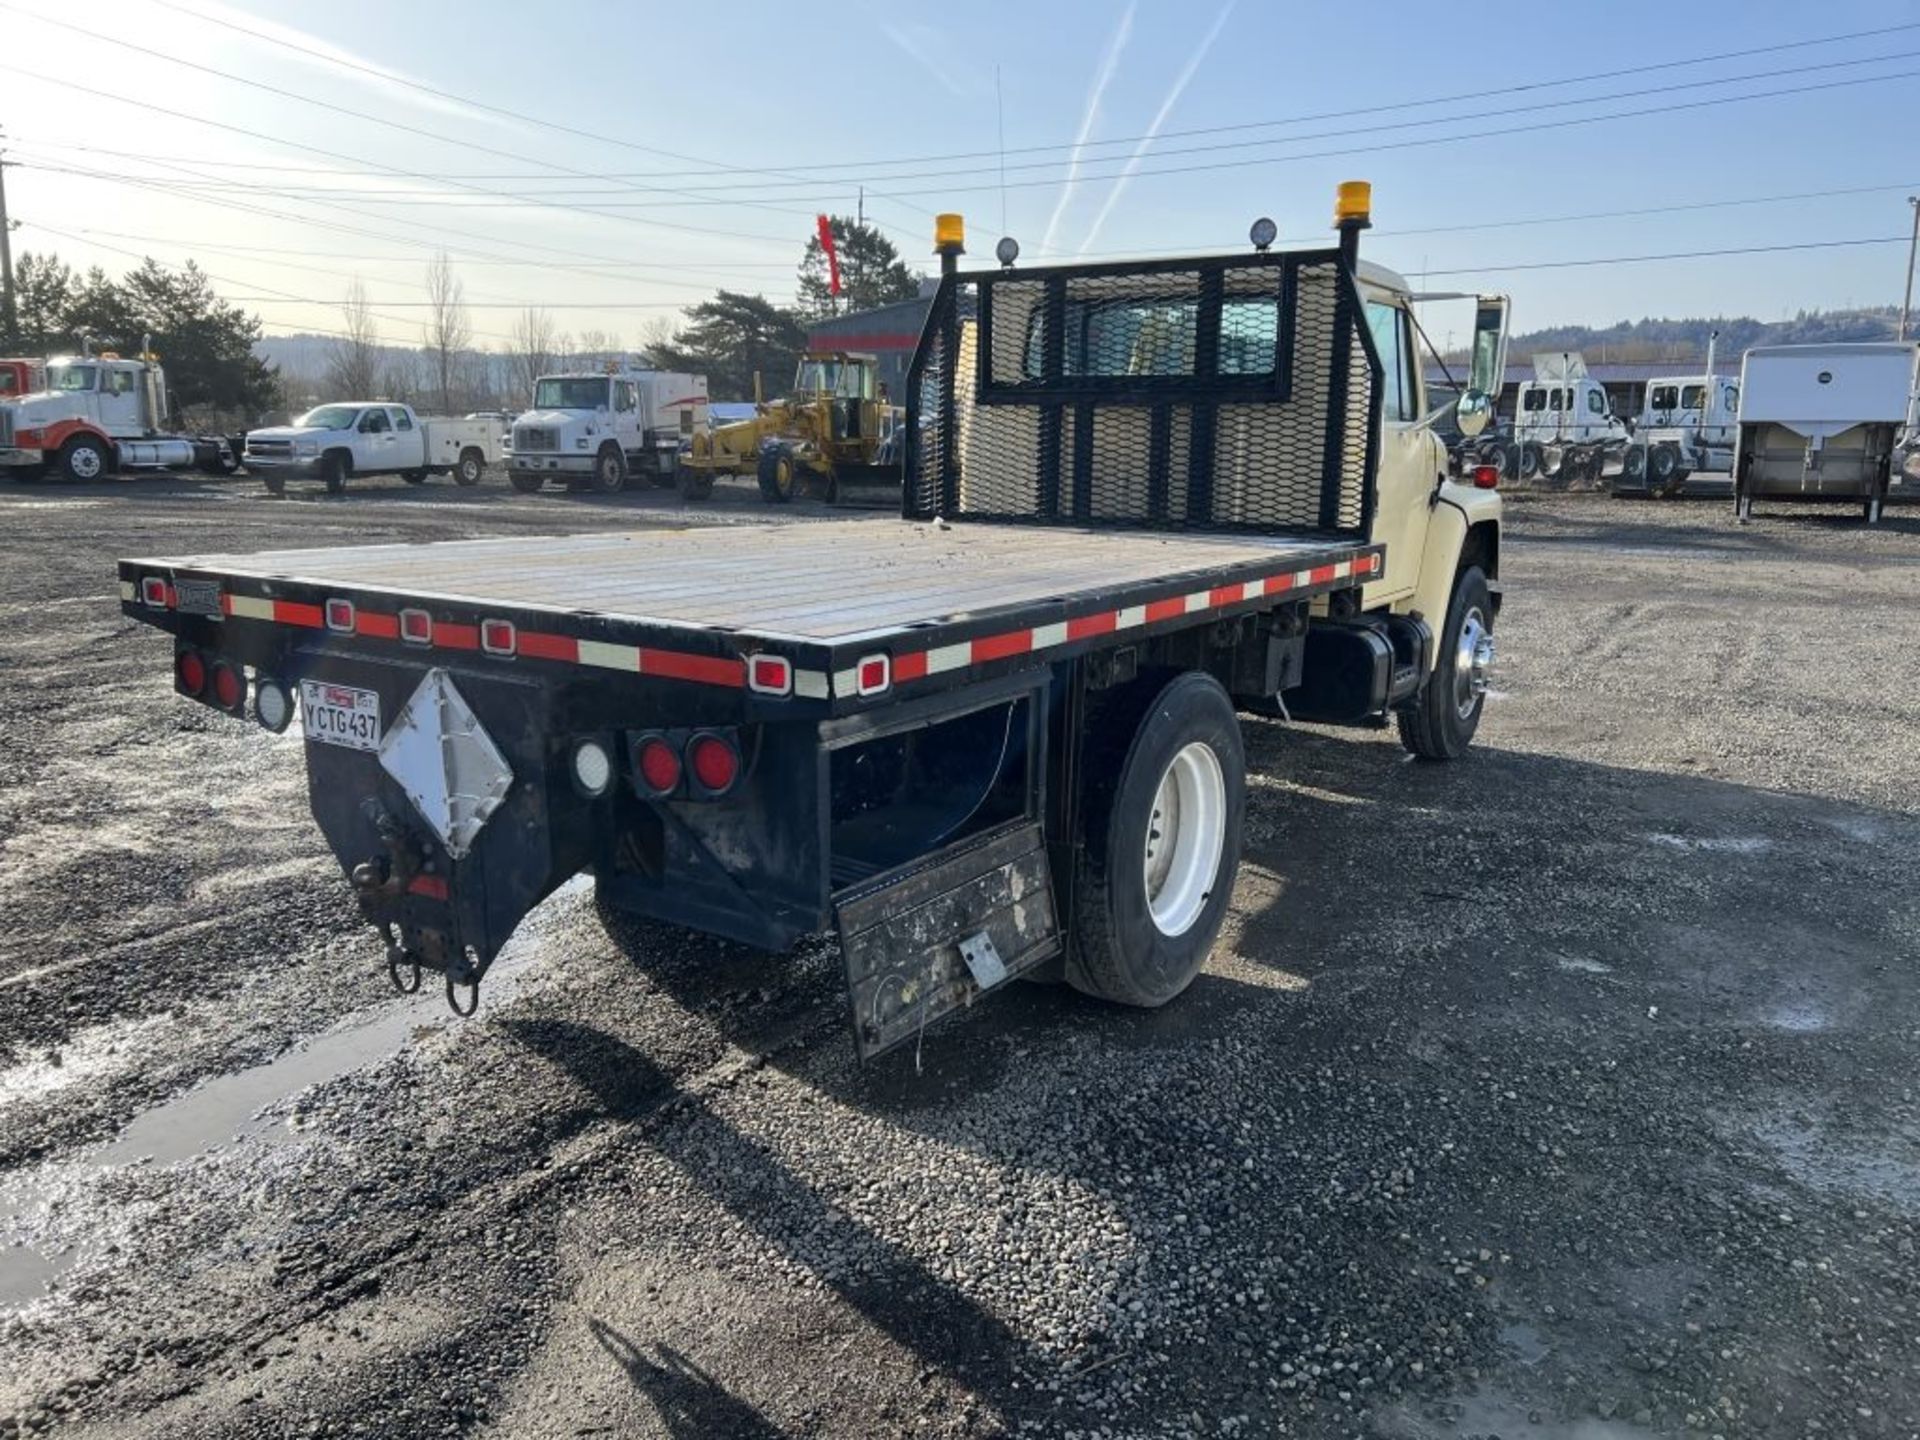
[[1567, 1092]]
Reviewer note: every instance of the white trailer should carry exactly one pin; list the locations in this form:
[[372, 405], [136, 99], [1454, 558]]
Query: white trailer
[[1827, 423]]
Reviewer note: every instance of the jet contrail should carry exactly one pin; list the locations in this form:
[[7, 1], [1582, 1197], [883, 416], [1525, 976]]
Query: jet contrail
[[1103, 77], [1159, 119]]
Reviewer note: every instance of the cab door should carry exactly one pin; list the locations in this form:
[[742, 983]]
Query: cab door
[[1412, 461], [119, 398]]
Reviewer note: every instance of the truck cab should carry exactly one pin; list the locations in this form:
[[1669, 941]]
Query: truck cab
[[596, 430], [21, 377], [97, 413]]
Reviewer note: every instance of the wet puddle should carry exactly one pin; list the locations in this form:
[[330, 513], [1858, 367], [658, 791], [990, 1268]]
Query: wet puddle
[[245, 1107]]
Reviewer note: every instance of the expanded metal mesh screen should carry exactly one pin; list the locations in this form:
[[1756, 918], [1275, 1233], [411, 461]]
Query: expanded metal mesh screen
[[1225, 394]]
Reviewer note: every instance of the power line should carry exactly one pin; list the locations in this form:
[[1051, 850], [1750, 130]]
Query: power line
[[1675, 255], [149, 54], [389, 78]]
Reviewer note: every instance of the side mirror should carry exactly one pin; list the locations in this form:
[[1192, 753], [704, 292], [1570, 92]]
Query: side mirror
[[1474, 412], [1488, 370]]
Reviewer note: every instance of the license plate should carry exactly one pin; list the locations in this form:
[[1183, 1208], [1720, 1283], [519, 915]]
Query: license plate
[[340, 715]]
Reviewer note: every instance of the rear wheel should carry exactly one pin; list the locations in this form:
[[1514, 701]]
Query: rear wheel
[[1440, 722], [609, 471], [471, 467], [1530, 461], [779, 475], [693, 484], [1662, 463], [84, 458], [1161, 830], [333, 471]]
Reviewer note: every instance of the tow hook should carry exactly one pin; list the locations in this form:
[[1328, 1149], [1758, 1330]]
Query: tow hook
[[374, 876]]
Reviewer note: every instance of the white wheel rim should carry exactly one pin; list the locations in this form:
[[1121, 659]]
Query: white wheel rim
[[1186, 833], [86, 462]]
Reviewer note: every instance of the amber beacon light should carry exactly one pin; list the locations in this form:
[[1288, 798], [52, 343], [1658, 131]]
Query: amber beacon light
[[1353, 203]]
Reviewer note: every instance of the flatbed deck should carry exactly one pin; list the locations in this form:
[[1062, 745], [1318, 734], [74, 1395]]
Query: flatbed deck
[[828, 582]]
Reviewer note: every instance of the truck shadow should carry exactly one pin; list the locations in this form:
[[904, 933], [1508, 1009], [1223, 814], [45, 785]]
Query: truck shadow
[[690, 1404], [1519, 905]]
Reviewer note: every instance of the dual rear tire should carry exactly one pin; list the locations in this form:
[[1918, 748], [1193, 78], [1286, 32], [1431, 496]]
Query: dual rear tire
[[1160, 838]]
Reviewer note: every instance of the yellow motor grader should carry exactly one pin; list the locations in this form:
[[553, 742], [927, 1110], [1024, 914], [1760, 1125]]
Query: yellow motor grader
[[834, 431]]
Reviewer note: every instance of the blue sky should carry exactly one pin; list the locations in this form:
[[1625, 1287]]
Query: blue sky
[[707, 137]]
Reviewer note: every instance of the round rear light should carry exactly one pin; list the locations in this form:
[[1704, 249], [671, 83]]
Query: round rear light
[[592, 767], [716, 764], [191, 671], [229, 689], [659, 766], [272, 705]]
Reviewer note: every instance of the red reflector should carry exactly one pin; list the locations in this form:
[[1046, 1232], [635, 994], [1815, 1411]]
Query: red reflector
[[659, 767], [497, 637], [873, 674], [1486, 477], [770, 674], [153, 591], [191, 671], [716, 764], [229, 689], [416, 627], [340, 616]]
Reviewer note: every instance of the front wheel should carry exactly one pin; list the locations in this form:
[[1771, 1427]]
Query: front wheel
[[1161, 838], [333, 473], [778, 475], [84, 458], [609, 471], [414, 477], [1439, 723], [525, 482], [468, 472]]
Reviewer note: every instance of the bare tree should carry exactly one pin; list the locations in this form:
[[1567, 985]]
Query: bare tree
[[353, 367], [599, 347], [448, 329], [533, 347], [656, 333]]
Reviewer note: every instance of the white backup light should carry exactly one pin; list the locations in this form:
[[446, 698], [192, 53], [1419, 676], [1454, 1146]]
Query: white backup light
[[592, 767]]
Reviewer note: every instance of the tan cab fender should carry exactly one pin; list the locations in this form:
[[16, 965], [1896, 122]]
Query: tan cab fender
[[1460, 511]]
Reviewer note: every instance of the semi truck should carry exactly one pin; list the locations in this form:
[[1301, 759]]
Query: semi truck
[[350, 439], [598, 430], [997, 737], [1564, 428], [1834, 423], [94, 415]]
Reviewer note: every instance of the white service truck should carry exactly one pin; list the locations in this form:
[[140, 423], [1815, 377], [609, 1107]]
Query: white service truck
[[97, 414], [336, 442], [595, 430], [1837, 422]]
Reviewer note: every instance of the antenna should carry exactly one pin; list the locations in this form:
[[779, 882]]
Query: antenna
[[1000, 123]]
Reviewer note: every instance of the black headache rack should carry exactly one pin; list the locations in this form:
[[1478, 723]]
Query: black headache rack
[[1229, 393]]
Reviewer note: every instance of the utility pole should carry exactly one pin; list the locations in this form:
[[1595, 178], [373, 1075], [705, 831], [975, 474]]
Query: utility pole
[[1906, 305], [9, 309]]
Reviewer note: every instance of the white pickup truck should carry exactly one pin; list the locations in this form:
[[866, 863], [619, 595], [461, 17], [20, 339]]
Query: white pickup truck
[[333, 443]]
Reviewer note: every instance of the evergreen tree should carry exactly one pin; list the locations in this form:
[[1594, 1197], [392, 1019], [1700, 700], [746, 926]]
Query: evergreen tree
[[730, 337], [872, 273]]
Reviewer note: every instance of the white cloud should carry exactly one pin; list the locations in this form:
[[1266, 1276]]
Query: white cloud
[[1103, 77], [1180, 84], [926, 46]]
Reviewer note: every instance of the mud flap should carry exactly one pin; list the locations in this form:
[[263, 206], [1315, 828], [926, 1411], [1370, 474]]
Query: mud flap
[[927, 942]]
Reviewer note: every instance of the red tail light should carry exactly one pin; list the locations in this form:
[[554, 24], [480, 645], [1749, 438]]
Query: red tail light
[[190, 673], [1486, 477], [770, 675], [715, 762], [416, 627], [340, 616], [657, 764], [229, 686]]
